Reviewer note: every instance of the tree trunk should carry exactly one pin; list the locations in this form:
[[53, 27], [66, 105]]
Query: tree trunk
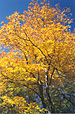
[[47, 91]]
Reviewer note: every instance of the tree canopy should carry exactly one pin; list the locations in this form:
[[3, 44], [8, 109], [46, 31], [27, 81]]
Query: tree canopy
[[37, 73]]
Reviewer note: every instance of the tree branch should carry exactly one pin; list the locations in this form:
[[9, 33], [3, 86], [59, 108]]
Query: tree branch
[[47, 90], [68, 99], [51, 76]]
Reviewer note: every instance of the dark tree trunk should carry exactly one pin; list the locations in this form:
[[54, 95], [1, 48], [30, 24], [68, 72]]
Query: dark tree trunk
[[47, 91]]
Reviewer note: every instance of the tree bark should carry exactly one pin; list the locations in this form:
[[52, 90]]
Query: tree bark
[[47, 91], [40, 86]]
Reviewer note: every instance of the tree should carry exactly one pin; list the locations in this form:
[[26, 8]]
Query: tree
[[38, 70]]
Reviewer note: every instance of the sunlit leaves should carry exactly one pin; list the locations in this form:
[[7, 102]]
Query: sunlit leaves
[[38, 39]]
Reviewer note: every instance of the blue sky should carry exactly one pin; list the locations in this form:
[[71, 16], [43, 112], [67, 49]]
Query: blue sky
[[8, 7]]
